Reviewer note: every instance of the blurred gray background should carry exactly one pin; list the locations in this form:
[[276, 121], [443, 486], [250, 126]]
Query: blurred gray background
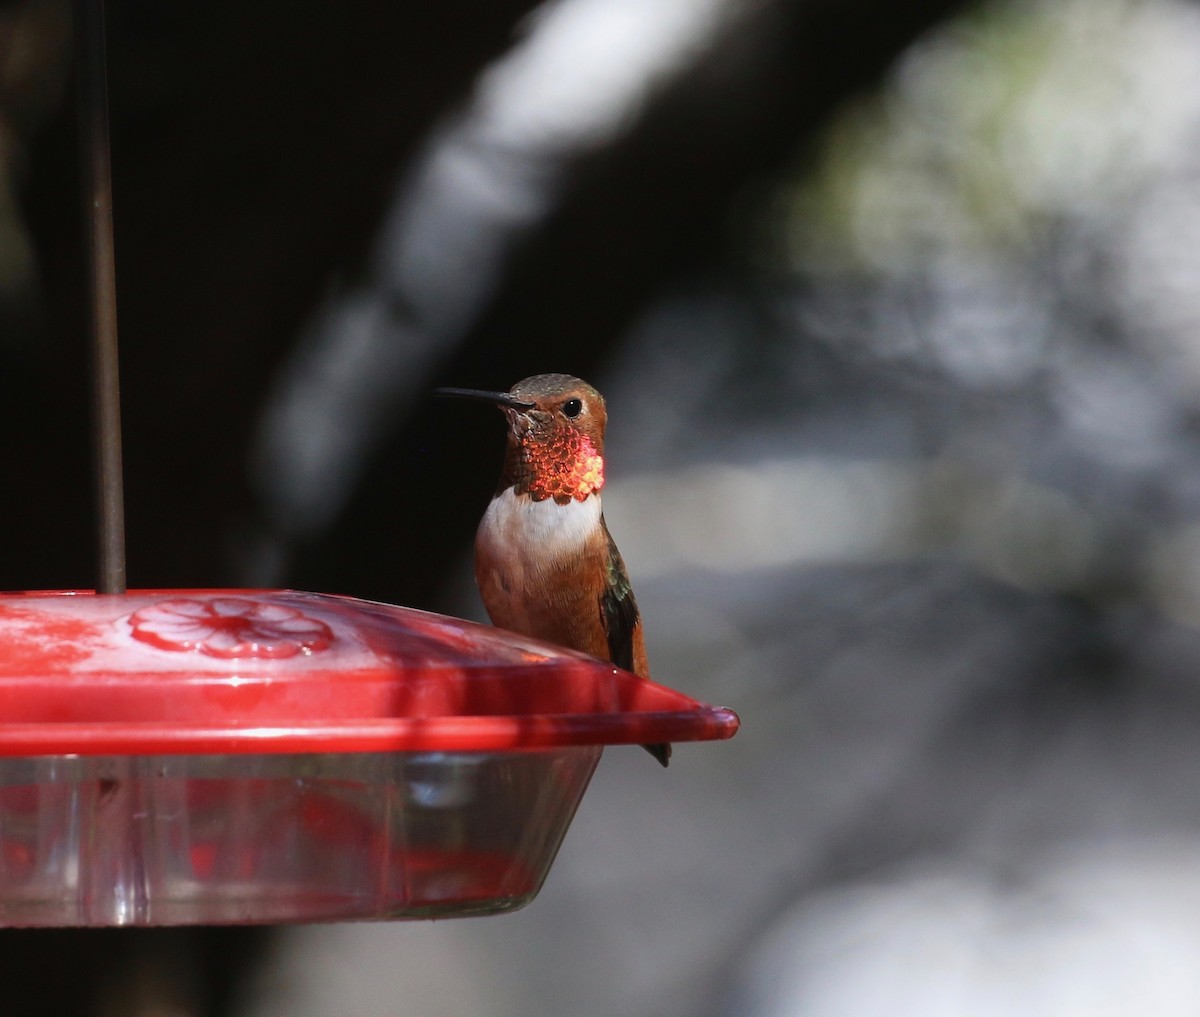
[[897, 312]]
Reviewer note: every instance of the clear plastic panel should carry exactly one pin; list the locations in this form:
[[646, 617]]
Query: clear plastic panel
[[167, 840]]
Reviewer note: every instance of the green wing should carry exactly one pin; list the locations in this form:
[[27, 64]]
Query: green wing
[[619, 613], [618, 609]]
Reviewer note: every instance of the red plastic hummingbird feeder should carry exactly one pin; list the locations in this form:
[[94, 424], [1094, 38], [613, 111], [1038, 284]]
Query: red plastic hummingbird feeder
[[195, 756]]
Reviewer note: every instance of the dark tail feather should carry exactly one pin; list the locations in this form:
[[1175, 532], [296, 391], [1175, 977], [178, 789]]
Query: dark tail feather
[[660, 752]]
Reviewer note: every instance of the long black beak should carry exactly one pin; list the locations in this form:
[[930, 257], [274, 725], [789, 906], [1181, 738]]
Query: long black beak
[[495, 398]]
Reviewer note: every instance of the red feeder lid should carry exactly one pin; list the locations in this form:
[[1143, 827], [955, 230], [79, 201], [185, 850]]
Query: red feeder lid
[[274, 671]]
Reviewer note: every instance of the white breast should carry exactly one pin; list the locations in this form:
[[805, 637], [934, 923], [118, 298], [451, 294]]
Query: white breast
[[519, 537], [514, 524]]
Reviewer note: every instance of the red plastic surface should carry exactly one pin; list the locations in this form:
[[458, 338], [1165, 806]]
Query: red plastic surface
[[237, 671]]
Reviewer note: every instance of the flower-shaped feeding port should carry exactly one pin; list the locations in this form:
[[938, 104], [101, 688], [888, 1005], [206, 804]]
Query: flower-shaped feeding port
[[266, 756], [231, 628]]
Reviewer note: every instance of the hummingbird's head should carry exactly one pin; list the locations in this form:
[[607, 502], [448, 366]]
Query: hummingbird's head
[[555, 436]]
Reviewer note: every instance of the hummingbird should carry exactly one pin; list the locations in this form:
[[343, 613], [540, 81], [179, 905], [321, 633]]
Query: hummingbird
[[545, 563]]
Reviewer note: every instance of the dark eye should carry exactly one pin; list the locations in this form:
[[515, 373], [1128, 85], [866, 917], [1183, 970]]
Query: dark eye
[[572, 408]]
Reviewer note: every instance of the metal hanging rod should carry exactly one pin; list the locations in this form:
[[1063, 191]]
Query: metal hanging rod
[[91, 78]]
